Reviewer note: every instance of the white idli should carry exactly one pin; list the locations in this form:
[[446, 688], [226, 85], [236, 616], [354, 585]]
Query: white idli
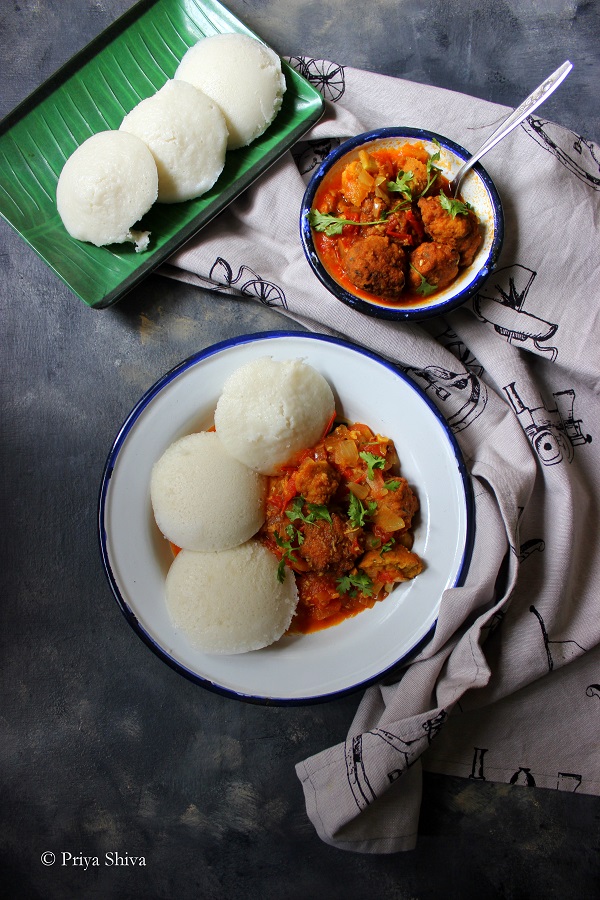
[[242, 76], [232, 601], [203, 498], [186, 133], [105, 187], [271, 409]]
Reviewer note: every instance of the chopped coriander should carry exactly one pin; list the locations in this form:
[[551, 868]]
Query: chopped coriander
[[392, 485], [432, 170], [296, 509], [294, 535], [402, 204], [388, 545], [333, 224], [287, 548], [372, 461], [281, 570], [454, 207], [358, 512], [315, 511], [351, 584], [425, 288], [318, 511], [402, 184]]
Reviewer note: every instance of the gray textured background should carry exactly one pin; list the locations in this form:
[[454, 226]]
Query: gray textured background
[[103, 748]]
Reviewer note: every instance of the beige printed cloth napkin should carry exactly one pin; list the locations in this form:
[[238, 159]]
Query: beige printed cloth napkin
[[508, 688]]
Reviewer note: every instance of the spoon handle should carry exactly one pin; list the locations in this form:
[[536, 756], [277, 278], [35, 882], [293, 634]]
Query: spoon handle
[[515, 118]]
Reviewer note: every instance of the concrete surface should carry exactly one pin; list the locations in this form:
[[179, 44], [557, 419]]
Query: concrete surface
[[103, 748]]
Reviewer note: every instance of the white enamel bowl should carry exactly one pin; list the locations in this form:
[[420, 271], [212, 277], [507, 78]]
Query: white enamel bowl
[[337, 660]]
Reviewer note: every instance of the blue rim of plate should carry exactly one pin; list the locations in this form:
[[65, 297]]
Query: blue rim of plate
[[111, 462], [373, 309]]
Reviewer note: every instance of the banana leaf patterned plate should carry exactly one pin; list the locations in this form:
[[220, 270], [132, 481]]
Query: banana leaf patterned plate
[[128, 62]]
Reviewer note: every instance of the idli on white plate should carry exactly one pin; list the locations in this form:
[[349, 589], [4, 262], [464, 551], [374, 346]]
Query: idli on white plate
[[242, 76], [231, 601], [186, 133], [107, 184], [203, 498], [271, 409]]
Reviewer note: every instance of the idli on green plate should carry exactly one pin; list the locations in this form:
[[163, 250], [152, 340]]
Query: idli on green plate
[[107, 184], [243, 76], [186, 133]]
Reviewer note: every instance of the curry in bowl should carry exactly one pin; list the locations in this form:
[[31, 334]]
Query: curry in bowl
[[383, 231]]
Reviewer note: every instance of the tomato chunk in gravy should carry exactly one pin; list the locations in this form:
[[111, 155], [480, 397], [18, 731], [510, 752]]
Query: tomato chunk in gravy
[[340, 516]]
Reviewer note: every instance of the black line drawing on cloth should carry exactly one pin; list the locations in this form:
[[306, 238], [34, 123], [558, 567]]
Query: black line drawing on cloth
[[523, 776], [327, 77], [358, 758], [477, 764], [553, 433], [309, 154], [501, 305], [533, 545], [577, 154], [557, 651], [356, 775], [568, 781], [356, 765], [593, 690], [461, 396], [247, 282], [432, 726], [494, 623], [450, 340]]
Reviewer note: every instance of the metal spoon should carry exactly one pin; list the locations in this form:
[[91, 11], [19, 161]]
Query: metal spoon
[[515, 118]]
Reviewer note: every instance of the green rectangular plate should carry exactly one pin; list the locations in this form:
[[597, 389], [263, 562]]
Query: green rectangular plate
[[128, 62]]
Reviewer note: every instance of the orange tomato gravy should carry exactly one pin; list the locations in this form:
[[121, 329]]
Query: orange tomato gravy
[[341, 568]]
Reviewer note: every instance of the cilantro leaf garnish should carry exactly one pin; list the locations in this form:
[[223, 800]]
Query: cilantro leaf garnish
[[287, 548], [358, 512], [434, 157], [392, 485], [424, 288], [351, 584], [402, 184], [432, 170], [281, 570], [333, 224], [372, 461], [315, 511], [388, 545], [454, 207], [296, 509], [294, 534]]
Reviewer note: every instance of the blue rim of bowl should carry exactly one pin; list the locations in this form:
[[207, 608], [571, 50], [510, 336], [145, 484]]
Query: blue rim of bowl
[[112, 460], [386, 312]]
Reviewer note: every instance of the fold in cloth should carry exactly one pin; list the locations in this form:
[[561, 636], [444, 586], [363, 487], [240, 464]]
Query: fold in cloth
[[508, 687]]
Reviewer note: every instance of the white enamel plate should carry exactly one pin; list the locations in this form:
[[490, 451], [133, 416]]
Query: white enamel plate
[[300, 668]]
